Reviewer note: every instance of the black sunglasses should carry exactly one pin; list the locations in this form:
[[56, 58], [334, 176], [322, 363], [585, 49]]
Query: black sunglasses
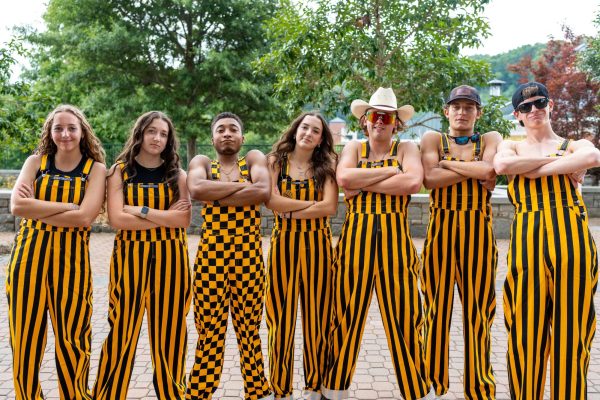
[[524, 108], [465, 139]]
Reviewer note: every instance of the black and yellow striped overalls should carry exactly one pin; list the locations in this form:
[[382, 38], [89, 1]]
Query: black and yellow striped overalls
[[376, 250], [149, 272], [299, 263], [550, 284], [49, 272], [229, 270], [460, 249]]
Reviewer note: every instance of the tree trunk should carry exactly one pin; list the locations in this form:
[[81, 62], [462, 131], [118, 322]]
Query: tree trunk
[[191, 148]]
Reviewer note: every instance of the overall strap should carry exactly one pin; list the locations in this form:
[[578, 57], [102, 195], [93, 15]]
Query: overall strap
[[477, 149], [243, 166], [87, 168], [445, 143], [563, 147], [365, 150], [394, 148], [214, 170]]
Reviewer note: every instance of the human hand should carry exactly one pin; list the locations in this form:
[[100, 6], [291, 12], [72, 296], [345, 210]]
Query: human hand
[[181, 205], [24, 190]]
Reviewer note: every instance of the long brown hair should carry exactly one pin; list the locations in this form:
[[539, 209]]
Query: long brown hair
[[89, 145], [169, 154], [324, 157]]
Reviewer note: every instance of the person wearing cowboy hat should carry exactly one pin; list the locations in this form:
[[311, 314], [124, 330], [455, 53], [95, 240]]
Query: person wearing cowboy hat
[[375, 250], [552, 258], [460, 248]]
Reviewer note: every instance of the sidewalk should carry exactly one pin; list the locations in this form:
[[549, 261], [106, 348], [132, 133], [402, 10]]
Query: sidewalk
[[374, 377]]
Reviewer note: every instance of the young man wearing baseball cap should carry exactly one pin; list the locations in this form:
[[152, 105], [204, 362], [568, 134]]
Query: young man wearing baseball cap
[[460, 247], [552, 259]]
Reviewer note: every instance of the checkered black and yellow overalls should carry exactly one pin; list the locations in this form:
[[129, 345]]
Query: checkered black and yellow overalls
[[229, 271]]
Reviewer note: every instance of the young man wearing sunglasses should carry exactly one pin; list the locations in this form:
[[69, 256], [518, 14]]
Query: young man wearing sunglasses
[[460, 247], [375, 250], [552, 259]]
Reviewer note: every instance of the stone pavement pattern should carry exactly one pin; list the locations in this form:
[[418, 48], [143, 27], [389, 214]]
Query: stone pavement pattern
[[374, 377]]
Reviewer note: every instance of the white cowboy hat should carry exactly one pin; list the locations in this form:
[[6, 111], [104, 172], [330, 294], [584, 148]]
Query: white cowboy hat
[[383, 99]]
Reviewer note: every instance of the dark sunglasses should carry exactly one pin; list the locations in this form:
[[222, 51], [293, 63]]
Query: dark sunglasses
[[524, 108], [386, 118], [465, 139]]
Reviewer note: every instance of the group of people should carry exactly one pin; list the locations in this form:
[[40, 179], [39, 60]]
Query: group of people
[[548, 293]]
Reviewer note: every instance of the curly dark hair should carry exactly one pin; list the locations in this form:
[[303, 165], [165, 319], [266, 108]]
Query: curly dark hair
[[169, 154], [324, 157], [89, 145]]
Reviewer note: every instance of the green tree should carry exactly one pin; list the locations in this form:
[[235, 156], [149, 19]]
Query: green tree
[[22, 110], [191, 59], [326, 53], [590, 57]]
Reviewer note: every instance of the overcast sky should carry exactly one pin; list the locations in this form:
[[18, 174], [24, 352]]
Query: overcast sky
[[512, 22]]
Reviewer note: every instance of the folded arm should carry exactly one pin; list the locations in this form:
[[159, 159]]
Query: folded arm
[[256, 192], [409, 181], [90, 205], [348, 176], [179, 213]]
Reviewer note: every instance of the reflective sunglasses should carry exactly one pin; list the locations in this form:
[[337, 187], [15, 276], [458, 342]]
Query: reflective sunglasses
[[386, 118], [525, 108], [465, 139]]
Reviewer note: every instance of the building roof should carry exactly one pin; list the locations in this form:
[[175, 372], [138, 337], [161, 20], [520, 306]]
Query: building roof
[[496, 82], [337, 120]]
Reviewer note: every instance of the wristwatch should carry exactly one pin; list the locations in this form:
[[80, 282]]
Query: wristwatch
[[144, 212]]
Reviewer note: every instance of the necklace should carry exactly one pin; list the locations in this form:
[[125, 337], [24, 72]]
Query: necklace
[[301, 171], [382, 156], [227, 173]]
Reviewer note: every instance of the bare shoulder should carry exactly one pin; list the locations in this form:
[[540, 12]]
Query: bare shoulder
[[199, 161], [114, 173], [255, 157], [182, 174], [99, 168], [508, 145], [491, 137], [430, 139], [33, 162], [408, 147], [580, 144]]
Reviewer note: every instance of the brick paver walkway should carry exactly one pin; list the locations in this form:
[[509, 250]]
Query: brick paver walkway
[[374, 377]]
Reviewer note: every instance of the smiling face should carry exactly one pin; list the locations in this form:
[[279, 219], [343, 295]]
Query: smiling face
[[227, 136], [66, 132], [462, 115], [309, 133], [155, 137], [380, 124], [536, 117]]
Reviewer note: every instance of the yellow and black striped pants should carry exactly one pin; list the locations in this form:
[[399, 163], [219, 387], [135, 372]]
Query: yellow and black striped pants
[[150, 277], [375, 250], [460, 249], [49, 272], [299, 265], [548, 302], [229, 270]]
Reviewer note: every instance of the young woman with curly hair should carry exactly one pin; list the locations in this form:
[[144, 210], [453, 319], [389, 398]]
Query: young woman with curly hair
[[304, 194], [58, 193]]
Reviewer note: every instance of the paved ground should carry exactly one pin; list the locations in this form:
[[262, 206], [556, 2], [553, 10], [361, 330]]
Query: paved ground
[[374, 378]]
